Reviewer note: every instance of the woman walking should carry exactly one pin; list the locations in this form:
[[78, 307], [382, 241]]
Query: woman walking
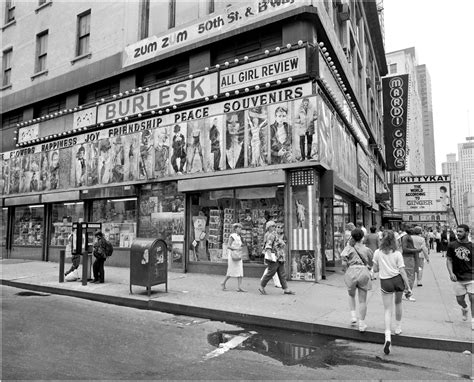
[[356, 260], [235, 268], [388, 261], [274, 251]]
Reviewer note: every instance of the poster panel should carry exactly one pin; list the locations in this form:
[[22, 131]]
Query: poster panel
[[422, 194]]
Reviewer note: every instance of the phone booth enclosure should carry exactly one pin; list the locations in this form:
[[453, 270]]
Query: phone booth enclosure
[[83, 236]]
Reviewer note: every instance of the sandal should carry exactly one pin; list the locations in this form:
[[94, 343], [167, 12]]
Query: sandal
[[241, 290], [262, 291]]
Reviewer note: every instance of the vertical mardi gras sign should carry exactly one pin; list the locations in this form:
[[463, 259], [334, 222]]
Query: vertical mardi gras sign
[[395, 108]]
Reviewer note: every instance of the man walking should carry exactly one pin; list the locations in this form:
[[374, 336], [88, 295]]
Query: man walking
[[410, 258], [420, 243], [459, 263]]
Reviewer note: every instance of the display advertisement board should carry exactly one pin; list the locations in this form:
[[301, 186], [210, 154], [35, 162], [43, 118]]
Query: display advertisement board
[[233, 17], [165, 96], [274, 68], [425, 217], [395, 111], [28, 133], [429, 193]]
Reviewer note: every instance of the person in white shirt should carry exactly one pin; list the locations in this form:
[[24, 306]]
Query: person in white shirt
[[388, 261], [420, 243]]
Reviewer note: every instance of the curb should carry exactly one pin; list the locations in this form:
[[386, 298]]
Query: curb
[[254, 320]]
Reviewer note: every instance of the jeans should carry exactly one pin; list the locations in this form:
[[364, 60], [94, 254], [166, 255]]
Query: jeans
[[272, 268], [98, 269], [410, 269]]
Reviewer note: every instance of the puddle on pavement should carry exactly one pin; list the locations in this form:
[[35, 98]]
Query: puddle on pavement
[[185, 320], [27, 294], [314, 351]]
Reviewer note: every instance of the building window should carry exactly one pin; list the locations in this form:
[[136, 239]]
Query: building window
[[7, 67], [41, 51], [83, 33], [393, 68], [41, 2], [9, 11], [182, 12]]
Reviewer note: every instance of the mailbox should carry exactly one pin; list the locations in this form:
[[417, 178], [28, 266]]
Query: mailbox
[[148, 263]]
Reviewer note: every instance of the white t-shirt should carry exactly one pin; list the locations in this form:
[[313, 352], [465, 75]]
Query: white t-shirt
[[389, 263]]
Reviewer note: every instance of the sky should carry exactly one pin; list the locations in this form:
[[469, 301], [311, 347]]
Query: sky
[[442, 34]]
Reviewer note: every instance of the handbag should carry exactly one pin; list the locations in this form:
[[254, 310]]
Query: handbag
[[234, 255]]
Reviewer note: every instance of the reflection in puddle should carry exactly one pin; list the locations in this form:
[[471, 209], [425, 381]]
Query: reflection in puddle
[[314, 351]]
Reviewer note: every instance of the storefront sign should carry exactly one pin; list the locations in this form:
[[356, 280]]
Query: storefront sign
[[424, 217], [270, 69], [28, 133], [430, 193], [165, 96], [395, 110], [231, 18], [84, 118]]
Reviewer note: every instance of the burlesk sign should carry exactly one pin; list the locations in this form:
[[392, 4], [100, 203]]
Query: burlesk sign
[[231, 18], [395, 110]]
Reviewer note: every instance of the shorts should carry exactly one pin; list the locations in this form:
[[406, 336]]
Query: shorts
[[463, 287], [391, 285], [358, 277]]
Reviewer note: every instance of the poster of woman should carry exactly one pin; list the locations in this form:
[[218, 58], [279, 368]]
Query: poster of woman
[[66, 162], [195, 157], [45, 175], [54, 169], [325, 133], [4, 176], [35, 169], [131, 154], [257, 136], [235, 150], [162, 151], [92, 163], [25, 174], [105, 161], [145, 159], [280, 134], [213, 151], [15, 174], [118, 159]]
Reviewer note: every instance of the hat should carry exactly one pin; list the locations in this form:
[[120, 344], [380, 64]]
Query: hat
[[98, 233], [236, 225], [269, 224]]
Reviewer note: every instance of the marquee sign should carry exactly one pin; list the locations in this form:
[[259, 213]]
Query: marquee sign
[[269, 69], [395, 110], [428, 193], [166, 96], [215, 24]]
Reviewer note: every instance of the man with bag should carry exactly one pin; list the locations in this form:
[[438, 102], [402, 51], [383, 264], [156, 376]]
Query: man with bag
[[101, 250], [275, 256]]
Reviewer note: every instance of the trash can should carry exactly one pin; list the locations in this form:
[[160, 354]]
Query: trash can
[[148, 263]]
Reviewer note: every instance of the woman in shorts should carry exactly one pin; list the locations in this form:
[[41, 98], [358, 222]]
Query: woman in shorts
[[388, 261], [356, 261]]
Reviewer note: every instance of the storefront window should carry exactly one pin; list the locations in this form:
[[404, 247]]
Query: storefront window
[[28, 226], [341, 218], [63, 215], [212, 214], [118, 218], [162, 217]]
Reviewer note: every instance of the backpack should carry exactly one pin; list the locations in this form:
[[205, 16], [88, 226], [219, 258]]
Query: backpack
[[109, 249]]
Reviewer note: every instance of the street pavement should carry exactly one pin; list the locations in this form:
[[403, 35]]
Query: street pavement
[[432, 322]]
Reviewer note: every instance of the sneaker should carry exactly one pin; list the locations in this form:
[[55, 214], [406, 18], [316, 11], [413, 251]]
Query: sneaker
[[398, 330], [362, 327], [409, 298], [386, 347], [353, 321], [465, 311]]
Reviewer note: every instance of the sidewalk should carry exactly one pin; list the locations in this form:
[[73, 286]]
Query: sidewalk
[[433, 321]]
